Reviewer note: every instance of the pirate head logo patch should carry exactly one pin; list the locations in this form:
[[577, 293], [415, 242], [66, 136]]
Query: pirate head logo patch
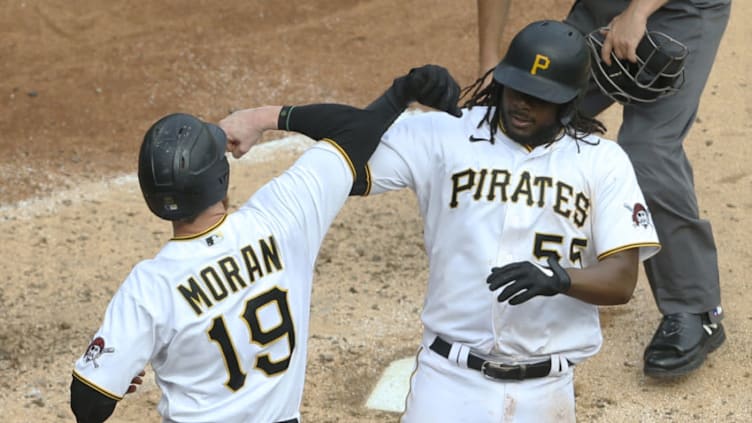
[[95, 350], [640, 215]]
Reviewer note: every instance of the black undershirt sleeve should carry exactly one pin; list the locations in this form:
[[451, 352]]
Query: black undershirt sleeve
[[356, 131], [88, 405]]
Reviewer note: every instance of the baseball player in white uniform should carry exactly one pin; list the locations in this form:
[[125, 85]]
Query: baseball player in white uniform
[[530, 223], [221, 312]]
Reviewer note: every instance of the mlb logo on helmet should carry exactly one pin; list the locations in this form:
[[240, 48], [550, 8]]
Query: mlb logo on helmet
[[170, 204]]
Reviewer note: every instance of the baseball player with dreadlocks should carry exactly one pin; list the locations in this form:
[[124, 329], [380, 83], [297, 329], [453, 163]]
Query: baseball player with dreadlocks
[[221, 312], [530, 224], [636, 45]]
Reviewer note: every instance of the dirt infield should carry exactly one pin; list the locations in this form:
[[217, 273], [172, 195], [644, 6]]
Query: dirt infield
[[83, 79]]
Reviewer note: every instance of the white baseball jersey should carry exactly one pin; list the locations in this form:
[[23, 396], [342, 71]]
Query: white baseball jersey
[[487, 205], [223, 316]]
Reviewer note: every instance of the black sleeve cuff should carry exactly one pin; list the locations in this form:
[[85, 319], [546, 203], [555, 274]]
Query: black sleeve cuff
[[283, 121], [88, 405]]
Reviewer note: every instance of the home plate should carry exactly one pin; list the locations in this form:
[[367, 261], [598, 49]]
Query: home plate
[[391, 390]]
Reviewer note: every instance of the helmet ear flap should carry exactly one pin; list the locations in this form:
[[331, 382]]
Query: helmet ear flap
[[567, 111]]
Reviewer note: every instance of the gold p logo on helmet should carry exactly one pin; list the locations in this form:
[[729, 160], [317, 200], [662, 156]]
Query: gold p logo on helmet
[[541, 62]]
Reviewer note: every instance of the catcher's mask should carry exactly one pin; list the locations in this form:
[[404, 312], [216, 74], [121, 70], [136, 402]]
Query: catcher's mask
[[659, 70], [548, 60], [182, 167]]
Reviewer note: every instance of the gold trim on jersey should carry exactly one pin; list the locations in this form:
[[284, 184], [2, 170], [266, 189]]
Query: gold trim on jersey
[[344, 154], [527, 147], [501, 126], [368, 180], [628, 247], [202, 233], [99, 389]]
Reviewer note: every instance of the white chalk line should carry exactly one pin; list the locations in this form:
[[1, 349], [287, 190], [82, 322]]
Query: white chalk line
[[87, 191]]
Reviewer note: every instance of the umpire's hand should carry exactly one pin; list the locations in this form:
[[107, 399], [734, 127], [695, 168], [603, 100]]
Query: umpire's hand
[[524, 280]]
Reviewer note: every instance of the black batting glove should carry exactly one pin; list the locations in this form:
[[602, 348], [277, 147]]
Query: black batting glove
[[433, 86], [524, 280], [429, 85]]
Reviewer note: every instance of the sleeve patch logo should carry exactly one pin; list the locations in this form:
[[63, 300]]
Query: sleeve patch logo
[[640, 215], [95, 350]]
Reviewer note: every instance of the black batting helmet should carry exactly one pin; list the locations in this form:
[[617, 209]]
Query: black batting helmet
[[182, 168], [659, 70], [548, 60]]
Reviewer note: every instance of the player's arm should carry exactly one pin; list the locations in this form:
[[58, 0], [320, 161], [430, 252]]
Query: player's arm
[[611, 281], [355, 132], [430, 85]]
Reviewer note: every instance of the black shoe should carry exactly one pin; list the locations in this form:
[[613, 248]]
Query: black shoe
[[681, 344]]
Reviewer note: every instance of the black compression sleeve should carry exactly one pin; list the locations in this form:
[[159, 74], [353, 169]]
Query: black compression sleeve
[[356, 131], [324, 120], [88, 405]]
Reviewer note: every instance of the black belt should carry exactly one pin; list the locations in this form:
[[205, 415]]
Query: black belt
[[494, 370]]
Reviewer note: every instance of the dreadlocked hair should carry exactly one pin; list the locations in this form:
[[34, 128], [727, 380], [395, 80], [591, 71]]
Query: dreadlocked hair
[[478, 94], [582, 125]]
